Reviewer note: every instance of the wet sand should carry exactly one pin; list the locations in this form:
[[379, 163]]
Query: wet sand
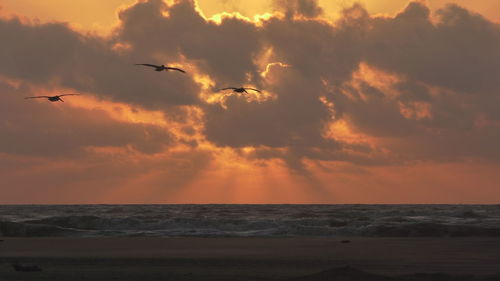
[[140, 258]]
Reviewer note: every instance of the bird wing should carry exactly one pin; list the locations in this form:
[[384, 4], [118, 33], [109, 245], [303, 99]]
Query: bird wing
[[175, 68], [147, 64], [254, 90], [229, 88], [36, 97], [68, 95]]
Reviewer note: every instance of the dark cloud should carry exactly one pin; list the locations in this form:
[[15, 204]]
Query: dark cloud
[[459, 52], [375, 114], [293, 117], [306, 8], [443, 106], [54, 54], [45, 129], [316, 48], [225, 51]]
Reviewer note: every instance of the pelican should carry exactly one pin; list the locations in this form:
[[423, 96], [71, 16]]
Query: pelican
[[240, 90], [161, 67], [53, 98]]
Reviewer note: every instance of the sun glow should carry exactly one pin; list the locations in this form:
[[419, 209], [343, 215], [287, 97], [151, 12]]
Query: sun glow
[[340, 130], [380, 80], [121, 111], [258, 20]]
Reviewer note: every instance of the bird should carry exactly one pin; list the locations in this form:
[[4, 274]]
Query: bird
[[52, 98], [161, 67], [239, 90]]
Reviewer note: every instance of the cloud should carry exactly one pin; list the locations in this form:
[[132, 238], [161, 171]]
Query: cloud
[[31, 128], [429, 93], [223, 51], [293, 117], [52, 53], [417, 92], [305, 8], [458, 52], [59, 153]]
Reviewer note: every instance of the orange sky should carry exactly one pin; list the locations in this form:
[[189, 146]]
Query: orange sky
[[101, 15], [180, 157]]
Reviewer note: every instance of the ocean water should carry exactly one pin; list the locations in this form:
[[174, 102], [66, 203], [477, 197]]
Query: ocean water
[[249, 220]]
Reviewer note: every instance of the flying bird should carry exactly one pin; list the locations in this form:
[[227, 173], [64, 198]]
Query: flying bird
[[161, 67], [239, 90], [52, 98]]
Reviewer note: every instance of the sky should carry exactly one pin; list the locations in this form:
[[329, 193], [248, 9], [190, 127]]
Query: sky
[[367, 101]]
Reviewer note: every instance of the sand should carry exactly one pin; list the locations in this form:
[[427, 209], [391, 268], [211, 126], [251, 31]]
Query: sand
[[141, 258]]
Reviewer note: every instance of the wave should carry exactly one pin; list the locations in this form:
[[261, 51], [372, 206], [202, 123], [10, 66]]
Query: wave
[[250, 220], [86, 222], [14, 229]]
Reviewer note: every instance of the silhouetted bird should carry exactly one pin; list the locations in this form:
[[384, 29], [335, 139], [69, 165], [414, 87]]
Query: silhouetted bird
[[240, 90], [161, 67], [53, 98]]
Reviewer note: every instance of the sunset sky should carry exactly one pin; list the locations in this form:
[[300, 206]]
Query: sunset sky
[[370, 101]]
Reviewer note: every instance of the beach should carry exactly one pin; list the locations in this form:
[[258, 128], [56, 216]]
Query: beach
[[150, 258]]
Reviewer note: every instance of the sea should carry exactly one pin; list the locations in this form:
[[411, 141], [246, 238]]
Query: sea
[[249, 220]]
